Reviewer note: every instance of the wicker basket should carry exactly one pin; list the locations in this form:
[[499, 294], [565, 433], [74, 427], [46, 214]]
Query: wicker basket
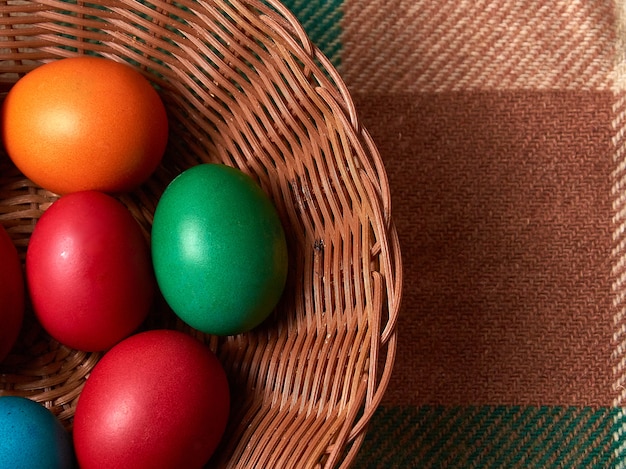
[[244, 86]]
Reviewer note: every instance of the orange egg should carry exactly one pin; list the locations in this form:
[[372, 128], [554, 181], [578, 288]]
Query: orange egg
[[84, 123]]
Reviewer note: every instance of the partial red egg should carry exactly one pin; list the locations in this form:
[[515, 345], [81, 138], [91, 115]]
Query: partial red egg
[[158, 399], [11, 294], [89, 271]]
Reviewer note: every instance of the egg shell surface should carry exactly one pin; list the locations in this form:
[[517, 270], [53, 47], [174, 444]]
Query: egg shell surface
[[157, 400], [31, 437], [89, 272], [12, 295], [219, 250], [84, 123]]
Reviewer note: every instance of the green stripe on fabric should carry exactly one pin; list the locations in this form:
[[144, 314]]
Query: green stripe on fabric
[[321, 20], [619, 435], [493, 437]]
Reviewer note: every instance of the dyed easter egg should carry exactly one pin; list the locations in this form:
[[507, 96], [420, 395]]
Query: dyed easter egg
[[219, 250]]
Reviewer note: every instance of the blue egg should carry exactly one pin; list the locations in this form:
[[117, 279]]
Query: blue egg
[[32, 437]]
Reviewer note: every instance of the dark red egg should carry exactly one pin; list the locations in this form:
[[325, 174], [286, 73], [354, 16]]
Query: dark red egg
[[11, 294]]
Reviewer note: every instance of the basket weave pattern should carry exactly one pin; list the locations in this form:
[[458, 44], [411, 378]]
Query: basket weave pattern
[[243, 85]]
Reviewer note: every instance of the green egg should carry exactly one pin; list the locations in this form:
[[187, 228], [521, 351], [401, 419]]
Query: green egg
[[219, 250]]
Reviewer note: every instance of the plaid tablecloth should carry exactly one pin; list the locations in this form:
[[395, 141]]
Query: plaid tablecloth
[[502, 124]]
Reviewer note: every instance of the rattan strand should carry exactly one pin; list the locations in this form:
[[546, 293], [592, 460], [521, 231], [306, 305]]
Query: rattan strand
[[243, 85]]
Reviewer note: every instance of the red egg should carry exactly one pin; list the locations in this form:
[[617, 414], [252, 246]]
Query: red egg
[[89, 272], [158, 399], [11, 294]]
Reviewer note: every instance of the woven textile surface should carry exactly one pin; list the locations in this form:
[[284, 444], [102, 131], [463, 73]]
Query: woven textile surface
[[503, 129]]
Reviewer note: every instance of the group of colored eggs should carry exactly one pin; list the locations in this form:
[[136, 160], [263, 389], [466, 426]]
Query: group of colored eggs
[[89, 129]]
